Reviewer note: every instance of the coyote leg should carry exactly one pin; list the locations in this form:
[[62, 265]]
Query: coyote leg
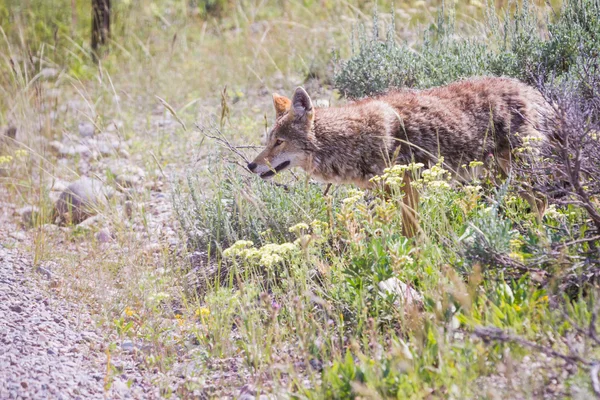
[[538, 204], [410, 205]]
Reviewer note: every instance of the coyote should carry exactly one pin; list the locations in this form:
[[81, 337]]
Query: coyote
[[464, 121]]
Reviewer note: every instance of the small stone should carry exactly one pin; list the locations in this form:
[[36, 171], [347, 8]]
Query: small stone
[[70, 150], [104, 149], [24, 385], [81, 200], [103, 235], [11, 132], [316, 364], [124, 153], [57, 185], [28, 215], [48, 73], [50, 228], [128, 206], [44, 271], [128, 346], [90, 223], [127, 181], [89, 336], [152, 248], [18, 235], [115, 125], [55, 146], [86, 129], [16, 308]]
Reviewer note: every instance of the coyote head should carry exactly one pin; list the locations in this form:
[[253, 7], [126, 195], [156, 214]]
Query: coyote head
[[290, 140]]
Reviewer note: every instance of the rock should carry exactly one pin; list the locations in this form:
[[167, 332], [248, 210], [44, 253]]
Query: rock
[[11, 132], [104, 148], [16, 308], [248, 392], [28, 214], [128, 207], [48, 73], [17, 235], [120, 386], [81, 200], [57, 185], [50, 228], [78, 149], [122, 167], [69, 150], [86, 129], [128, 181], [55, 146], [103, 235], [128, 346], [90, 222], [152, 248], [316, 364], [44, 271], [405, 295]]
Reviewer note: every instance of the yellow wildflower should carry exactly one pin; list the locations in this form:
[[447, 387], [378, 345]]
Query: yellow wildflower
[[298, 228], [21, 153]]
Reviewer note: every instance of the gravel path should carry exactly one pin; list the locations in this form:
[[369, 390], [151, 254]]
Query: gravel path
[[48, 347]]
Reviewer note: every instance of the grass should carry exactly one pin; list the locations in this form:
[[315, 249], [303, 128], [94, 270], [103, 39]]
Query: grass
[[280, 286]]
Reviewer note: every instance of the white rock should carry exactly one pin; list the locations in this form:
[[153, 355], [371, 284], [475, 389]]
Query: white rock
[[404, 293]]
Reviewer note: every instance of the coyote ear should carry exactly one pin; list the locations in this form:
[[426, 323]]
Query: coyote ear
[[281, 103], [302, 105]]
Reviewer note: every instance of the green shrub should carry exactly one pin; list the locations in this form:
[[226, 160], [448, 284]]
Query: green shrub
[[510, 45], [231, 207]]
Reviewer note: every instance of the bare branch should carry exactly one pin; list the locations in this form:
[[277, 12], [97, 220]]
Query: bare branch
[[218, 136]]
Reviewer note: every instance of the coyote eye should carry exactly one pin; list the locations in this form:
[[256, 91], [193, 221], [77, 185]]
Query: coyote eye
[[278, 142]]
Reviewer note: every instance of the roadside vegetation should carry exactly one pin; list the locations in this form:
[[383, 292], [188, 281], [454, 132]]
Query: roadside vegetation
[[231, 285]]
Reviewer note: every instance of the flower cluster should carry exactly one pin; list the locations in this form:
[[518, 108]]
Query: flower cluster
[[267, 256], [435, 177], [354, 196], [394, 176], [530, 144]]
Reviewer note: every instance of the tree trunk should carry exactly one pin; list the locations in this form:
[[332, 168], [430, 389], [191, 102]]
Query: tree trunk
[[100, 25]]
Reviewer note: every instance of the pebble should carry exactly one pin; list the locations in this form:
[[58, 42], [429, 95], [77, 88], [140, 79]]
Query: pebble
[[81, 200], [128, 346], [86, 129], [128, 181], [11, 132], [18, 235], [103, 235], [91, 222], [16, 308], [28, 215]]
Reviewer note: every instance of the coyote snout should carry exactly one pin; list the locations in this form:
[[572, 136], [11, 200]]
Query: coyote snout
[[289, 141], [464, 121]]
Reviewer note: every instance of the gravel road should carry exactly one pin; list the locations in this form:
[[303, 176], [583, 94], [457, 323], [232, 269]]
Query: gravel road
[[48, 346]]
